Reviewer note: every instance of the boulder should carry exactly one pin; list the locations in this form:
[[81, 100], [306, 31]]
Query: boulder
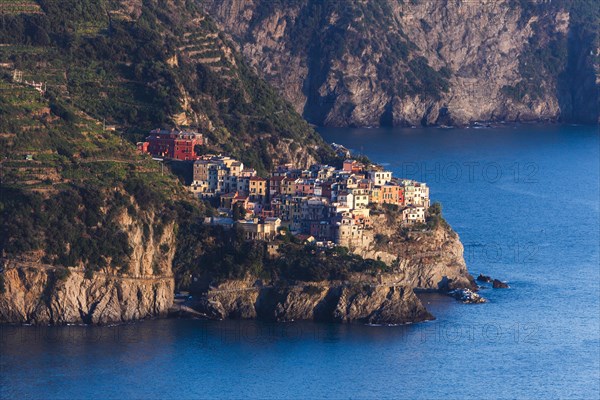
[[497, 284], [466, 296]]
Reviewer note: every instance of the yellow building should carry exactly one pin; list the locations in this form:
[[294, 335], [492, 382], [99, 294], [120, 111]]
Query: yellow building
[[376, 195], [258, 188], [288, 186]]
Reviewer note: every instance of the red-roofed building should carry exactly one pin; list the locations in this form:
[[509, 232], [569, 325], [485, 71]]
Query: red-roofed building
[[178, 145], [352, 166]]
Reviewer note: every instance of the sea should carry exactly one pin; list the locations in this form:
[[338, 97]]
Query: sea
[[524, 200]]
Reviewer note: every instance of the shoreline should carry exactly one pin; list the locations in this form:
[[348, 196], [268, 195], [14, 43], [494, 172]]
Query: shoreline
[[473, 125]]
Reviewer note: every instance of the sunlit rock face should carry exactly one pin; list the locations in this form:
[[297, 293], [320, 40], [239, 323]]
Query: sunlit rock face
[[393, 62]]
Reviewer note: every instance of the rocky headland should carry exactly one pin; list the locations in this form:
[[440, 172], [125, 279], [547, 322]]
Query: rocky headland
[[426, 259], [348, 301], [402, 63], [418, 260]]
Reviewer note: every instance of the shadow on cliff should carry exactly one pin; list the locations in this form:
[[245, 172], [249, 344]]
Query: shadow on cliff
[[577, 91]]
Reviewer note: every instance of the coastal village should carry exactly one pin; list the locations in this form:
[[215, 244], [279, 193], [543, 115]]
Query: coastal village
[[323, 205]]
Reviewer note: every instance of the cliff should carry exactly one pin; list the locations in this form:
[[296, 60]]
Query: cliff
[[359, 301], [35, 295], [396, 62], [93, 232], [88, 225], [427, 259], [35, 292], [421, 259]]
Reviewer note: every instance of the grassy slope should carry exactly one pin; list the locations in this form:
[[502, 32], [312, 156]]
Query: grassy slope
[[63, 205]]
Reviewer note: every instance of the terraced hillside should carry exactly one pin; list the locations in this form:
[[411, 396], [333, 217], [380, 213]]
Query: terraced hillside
[[138, 65], [79, 83], [19, 7]]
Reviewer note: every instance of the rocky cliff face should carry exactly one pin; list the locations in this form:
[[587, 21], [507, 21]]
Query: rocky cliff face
[[355, 301], [429, 260], [396, 62], [36, 293], [426, 260], [418, 260]]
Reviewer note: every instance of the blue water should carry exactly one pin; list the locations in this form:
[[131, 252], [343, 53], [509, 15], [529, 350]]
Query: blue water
[[525, 201]]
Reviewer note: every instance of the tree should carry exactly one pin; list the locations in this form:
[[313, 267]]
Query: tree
[[239, 212], [435, 209], [200, 149]]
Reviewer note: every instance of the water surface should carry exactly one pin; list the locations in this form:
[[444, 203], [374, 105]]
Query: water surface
[[525, 202]]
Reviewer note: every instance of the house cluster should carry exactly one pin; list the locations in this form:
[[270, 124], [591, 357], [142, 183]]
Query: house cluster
[[328, 204]]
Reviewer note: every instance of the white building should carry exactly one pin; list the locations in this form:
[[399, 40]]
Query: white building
[[416, 193], [413, 215], [346, 198], [380, 178], [256, 230], [360, 198]]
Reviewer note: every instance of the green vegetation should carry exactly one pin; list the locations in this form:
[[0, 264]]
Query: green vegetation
[[435, 218], [135, 71], [239, 212], [215, 254], [308, 263], [80, 224], [69, 184]]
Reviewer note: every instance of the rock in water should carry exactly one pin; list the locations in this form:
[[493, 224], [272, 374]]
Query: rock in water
[[466, 296], [484, 278], [497, 284]]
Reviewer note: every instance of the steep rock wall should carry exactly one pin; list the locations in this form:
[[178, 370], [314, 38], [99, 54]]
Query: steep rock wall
[[428, 260], [396, 62], [36, 293], [359, 301]]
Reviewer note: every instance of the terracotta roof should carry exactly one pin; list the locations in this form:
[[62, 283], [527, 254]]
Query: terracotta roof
[[304, 237]]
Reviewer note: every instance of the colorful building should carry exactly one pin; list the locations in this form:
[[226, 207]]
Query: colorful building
[[380, 178], [352, 166], [258, 189], [178, 145]]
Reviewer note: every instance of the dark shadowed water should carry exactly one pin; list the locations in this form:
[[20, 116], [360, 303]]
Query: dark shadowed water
[[525, 202]]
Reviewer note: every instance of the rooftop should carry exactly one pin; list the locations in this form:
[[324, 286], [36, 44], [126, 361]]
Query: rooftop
[[174, 132]]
